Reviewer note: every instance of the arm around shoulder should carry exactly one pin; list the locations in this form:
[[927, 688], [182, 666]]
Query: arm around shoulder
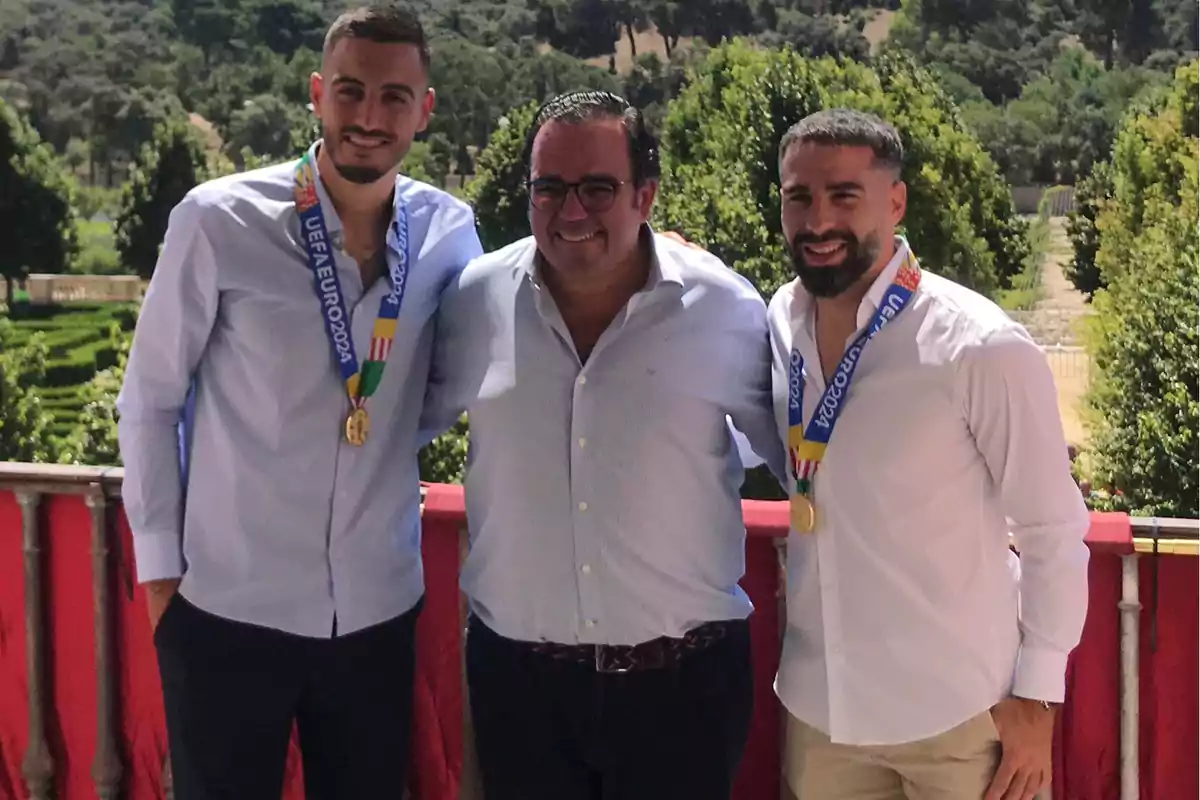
[[460, 245], [755, 414]]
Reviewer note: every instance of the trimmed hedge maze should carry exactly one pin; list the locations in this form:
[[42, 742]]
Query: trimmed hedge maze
[[81, 339]]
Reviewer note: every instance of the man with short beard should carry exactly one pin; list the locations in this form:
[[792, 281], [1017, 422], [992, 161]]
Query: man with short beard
[[916, 664], [296, 301]]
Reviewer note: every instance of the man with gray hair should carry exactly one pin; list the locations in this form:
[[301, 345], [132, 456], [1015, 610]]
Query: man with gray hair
[[608, 651], [916, 663]]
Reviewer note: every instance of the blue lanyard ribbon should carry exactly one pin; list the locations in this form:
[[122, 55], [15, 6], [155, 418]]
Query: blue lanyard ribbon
[[360, 383], [806, 446]]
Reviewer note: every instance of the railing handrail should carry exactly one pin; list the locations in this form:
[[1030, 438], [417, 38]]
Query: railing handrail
[[61, 478], [75, 479]]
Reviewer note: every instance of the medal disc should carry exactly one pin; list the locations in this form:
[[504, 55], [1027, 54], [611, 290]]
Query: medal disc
[[804, 515], [357, 427]]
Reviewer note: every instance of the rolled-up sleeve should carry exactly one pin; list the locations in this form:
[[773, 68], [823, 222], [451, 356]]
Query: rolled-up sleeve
[[1013, 414], [173, 328]]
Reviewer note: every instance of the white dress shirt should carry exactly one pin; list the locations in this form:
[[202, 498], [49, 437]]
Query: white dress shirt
[[905, 615], [282, 523], [603, 498]]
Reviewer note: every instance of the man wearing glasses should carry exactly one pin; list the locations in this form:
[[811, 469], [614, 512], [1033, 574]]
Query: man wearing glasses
[[608, 652]]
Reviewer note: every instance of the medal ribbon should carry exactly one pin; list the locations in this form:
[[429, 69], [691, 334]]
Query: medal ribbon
[[359, 384], [806, 447]]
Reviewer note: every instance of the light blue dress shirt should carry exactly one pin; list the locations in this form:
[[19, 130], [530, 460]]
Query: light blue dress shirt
[[603, 498], [284, 523]]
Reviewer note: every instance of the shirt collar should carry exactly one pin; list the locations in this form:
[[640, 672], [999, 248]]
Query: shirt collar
[[874, 296], [333, 222]]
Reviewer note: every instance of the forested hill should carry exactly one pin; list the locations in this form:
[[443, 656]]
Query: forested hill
[[1043, 82]]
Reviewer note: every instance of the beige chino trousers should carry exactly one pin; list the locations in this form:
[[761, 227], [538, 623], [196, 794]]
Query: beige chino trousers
[[955, 765]]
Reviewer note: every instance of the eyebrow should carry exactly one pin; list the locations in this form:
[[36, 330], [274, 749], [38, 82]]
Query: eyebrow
[[843, 186], [397, 87], [591, 176]]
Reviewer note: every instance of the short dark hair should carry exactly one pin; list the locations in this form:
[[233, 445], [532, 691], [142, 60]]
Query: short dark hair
[[386, 24], [589, 104], [844, 127]]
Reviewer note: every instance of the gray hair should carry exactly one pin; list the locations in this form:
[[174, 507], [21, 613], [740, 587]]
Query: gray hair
[[588, 104]]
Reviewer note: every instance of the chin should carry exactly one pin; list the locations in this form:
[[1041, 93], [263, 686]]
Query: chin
[[360, 173], [822, 267]]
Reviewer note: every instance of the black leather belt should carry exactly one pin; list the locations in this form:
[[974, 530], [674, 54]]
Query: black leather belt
[[659, 653]]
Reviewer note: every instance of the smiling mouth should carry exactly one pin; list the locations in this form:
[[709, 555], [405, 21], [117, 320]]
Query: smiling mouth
[[365, 142], [575, 238], [824, 249]]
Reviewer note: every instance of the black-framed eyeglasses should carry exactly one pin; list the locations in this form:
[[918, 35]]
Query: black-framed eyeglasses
[[595, 194]]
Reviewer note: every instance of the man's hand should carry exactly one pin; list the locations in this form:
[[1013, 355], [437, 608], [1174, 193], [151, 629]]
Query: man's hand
[[679, 238], [1026, 738], [158, 594]]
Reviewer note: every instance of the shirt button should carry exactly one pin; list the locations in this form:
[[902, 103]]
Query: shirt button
[[591, 623], [586, 569], [582, 506], [582, 441], [582, 380]]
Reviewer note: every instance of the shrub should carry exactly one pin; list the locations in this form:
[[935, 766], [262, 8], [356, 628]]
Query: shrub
[[1143, 399]]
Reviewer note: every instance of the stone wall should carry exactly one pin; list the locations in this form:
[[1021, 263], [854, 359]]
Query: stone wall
[[45, 289]]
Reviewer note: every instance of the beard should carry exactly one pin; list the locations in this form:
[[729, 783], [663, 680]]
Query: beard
[[830, 281], [362, 174]]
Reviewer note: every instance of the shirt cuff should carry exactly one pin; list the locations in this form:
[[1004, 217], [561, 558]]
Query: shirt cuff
[[1041, 674], [159, 556]]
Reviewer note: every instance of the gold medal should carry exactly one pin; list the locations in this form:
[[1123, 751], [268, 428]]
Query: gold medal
[[357, 427], [804, 515]]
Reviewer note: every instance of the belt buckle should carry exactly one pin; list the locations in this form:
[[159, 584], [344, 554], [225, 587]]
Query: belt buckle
[[648, 655], [609, 666]]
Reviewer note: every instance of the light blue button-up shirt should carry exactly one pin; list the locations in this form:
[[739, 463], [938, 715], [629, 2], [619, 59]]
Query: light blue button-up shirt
[[603, 498], [283, 523]]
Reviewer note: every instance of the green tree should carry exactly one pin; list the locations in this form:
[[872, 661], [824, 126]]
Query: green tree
[[1144, 397], [270, 127], [35, 204], [820, 35], [668, 17], [1145, 165], [425, 164], [1091, 194], [23, 422], [1068, 116], [584, 28], [444, 460], [498, 192], [477, 85], [169, 166]]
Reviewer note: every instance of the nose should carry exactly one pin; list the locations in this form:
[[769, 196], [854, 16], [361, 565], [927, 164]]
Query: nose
[[572, 209], [370, 114], [820, 218]]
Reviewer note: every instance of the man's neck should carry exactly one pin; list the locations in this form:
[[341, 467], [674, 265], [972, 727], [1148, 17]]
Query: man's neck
[[598, 296]]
